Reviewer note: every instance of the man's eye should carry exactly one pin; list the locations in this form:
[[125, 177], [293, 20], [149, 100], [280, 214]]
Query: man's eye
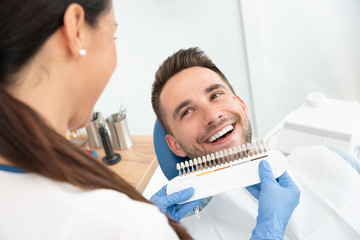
[[215, 95], [186, 112]]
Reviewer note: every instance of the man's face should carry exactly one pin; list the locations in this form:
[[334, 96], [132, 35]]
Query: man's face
[[202, 113]]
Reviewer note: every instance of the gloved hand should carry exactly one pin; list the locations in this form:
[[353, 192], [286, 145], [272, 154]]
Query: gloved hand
[[168, 203], [277, 201]]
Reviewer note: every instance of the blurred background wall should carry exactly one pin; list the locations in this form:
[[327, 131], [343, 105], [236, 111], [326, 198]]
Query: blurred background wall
[[274, 52]]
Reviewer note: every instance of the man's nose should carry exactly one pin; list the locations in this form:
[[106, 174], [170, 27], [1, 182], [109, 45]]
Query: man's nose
[[210, 115]]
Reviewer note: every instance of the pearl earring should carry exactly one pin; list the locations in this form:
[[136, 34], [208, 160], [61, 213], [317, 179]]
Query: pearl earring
[[82, 52]]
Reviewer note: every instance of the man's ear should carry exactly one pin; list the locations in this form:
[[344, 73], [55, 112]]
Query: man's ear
[[73, 29], [174, 146], [243, 105]]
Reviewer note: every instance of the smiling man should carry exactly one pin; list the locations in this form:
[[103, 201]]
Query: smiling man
[[200, 112]]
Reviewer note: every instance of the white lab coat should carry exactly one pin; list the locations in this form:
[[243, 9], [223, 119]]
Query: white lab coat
[[34, 207], [329, 205]]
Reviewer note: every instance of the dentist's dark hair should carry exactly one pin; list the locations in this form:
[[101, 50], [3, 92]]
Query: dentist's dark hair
[[25, 139], [181, 60]]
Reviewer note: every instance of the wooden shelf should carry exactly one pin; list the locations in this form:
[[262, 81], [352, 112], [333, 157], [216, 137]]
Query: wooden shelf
[[137, 164]]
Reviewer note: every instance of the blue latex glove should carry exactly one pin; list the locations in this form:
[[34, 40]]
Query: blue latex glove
[[169, 203], [277, 201]]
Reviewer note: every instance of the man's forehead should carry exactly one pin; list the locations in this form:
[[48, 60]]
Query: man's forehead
[[195, 79], [186, 80]]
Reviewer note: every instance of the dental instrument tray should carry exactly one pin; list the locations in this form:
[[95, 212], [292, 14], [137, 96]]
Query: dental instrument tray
[[226, 170]]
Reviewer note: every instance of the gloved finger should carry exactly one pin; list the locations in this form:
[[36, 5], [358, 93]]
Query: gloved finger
[[183, 209], [286, 181], [265, 173], [160, 193], [254, 190], [180, 196]]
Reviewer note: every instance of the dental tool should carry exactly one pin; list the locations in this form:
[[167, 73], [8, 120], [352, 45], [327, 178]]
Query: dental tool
[[226, 170]]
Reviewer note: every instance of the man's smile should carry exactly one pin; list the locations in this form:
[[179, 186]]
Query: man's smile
[[221, 134]]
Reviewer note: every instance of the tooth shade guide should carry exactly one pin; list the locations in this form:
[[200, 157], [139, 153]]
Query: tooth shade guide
[[221, 157], [200, 163], [248, 149], [229, 165], [182, 165], [244, 151], [208, 160], [227, 177], [263, 145], [259, 148], [187, 166], [253, 147], [226, 158], [178, 168], [212, 156], [231, 155], [235, 157], [196, 164], [217, 158], [204, 162], [239, 152]]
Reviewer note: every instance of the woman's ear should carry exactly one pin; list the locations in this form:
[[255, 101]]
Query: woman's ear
[[74, 27], [243, 105], [174, 146]]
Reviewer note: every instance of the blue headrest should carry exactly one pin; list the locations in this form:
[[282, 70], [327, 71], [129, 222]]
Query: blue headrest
[[166, 158]]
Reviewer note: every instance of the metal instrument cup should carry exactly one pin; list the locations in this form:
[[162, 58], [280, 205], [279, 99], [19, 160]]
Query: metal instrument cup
[[93, 131], [120, 135]]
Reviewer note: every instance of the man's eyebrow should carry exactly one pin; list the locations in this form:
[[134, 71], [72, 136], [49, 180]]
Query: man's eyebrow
[[179, 107], [213, 87]]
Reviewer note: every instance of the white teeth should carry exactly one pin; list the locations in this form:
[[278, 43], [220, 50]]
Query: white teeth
[[221, 133]]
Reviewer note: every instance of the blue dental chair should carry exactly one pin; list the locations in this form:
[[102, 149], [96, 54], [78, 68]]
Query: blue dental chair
[[166, 158]]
